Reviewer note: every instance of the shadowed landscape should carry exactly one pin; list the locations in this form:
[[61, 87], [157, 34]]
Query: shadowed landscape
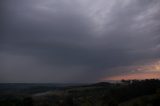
[[79, 52], [124, 93]]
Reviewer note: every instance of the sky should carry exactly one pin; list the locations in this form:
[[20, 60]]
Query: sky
[[77, 41]]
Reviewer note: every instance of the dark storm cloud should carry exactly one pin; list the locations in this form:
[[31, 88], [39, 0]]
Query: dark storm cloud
[[76, 41]]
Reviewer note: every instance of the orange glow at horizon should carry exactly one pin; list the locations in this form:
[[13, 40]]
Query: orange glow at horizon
[[138, 76], [148, 71], [153, 67]]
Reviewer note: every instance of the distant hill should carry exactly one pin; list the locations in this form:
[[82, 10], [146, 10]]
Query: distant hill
[[125, 93]]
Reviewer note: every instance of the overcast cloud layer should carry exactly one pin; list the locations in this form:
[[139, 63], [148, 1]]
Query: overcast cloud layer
[[77, 40]]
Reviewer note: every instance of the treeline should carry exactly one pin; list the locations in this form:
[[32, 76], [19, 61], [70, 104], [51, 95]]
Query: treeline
[[100, 94]]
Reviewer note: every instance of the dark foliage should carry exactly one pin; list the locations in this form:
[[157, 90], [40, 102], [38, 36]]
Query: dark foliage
[[100, 94]]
